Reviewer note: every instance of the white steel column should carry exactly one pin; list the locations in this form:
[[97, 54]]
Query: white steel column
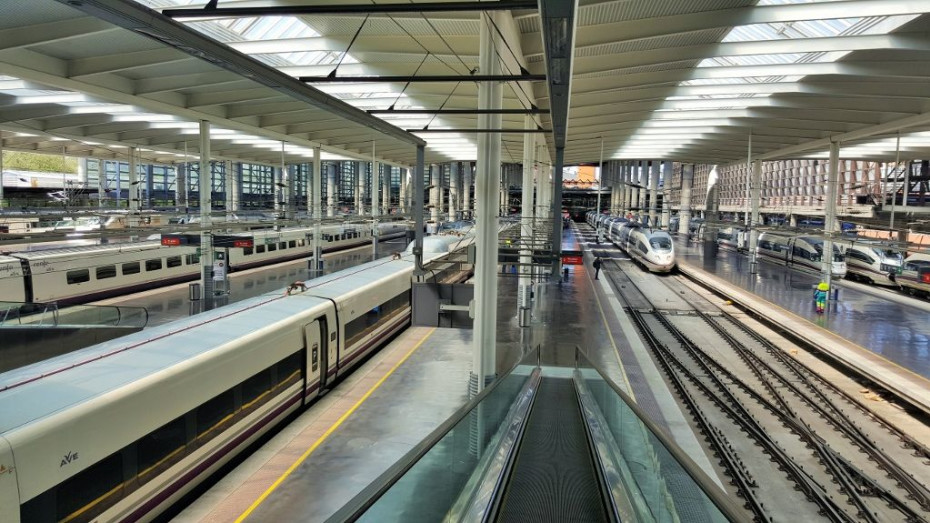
[[466, 186], [642, 180], [404, 174], [331, 189], [600, 184], [101, 180], [180, 183], [237, 187], [313, 174], [687, 180], [135, 189], [228, 182], [829, 222], [654, 193], [454, 190], [525, 285], [386, 190], [755, 199], [359, 188], [435, 173], [206, 238], [316, 204], [749, 176], [627, 206], [490, 96], [278, 189], [666, 193]]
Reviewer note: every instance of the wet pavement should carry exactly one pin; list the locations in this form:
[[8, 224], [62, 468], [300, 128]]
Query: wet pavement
[[892, 328]]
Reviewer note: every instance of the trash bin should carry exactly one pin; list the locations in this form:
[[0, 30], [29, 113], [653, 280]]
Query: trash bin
[[194, 291]]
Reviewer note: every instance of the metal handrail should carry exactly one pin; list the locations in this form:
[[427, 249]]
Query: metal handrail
[[365, 499], [723, 502]]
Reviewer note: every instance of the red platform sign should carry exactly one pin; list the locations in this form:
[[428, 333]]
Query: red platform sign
[[572, 259]]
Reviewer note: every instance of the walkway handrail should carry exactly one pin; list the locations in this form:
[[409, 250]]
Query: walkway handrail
[[720, 499], [364, 500]]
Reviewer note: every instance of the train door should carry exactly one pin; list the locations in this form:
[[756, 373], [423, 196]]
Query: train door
[[315, 337], [789, 253]]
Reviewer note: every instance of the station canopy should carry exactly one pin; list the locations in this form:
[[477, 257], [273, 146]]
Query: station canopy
[[686, 80]]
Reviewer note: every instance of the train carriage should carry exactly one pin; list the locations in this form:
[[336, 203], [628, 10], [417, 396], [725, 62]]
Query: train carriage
[[119, 431], [11, 280], [873, 262], [803, 252], [915, 275]]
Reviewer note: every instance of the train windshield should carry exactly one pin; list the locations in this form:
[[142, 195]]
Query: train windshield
[[888, 255], [661, 243]]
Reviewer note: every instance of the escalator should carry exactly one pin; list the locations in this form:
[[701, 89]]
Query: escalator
[[554, 476], [545, 444]]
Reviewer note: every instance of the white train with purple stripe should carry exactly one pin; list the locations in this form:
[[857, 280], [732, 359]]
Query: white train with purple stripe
[[82, 274], [121, 430]]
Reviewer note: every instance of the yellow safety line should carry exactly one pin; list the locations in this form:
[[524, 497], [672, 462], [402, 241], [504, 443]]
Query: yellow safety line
[[328, 432], [626, 379]]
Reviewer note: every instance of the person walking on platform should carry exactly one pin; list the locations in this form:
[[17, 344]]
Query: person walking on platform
[[820, 296], [597, 267]]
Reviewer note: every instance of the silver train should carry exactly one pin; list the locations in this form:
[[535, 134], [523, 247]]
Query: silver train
[[121, 430], [914, 277], [83, 274], [653, 248], [804, 252], [872, 262]]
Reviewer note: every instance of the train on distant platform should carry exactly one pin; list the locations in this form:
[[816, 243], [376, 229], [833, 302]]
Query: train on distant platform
[[805, 252], [82, 274], [122, 430]]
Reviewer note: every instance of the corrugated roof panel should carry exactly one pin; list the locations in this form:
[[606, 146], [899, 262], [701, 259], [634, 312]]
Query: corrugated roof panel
[[708, 36], [607, 12]]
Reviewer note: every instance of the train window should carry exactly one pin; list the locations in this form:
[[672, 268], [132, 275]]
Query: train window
[[254, 387], [78, 276], [155, 450], [291, 244], [107, 271], [362, 325], [259, 249], [213, 411], [153, 265], [246, 251], [192, 259], [131, 268], [272, 247], [84, 495], [288, 370], [282, 245], [301, 243], [173, 261]]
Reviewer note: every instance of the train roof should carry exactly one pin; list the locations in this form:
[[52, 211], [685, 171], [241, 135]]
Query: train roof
[[113, 248], [38, 390], [35, 391]]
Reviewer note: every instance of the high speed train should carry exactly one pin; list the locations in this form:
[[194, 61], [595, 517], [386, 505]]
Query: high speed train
[[915, 275], [873, 262], [82, 274], [799, 251], [652, 248], [121, 430]]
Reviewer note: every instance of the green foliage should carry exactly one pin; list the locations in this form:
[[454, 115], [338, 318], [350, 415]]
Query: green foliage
[[39, 162]]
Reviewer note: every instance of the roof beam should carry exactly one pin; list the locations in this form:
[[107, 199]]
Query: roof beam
[[427, 78], [347, 9], [559, 19], [25, 36], [460, 44], [874, 130], [124, 61], [666, 55], [602, 34], [144, 21]]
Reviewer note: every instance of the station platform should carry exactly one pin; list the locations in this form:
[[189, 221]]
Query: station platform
[[386, 407], [884, 322]]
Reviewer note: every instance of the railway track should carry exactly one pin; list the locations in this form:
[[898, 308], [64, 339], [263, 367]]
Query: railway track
[[774, 424]]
